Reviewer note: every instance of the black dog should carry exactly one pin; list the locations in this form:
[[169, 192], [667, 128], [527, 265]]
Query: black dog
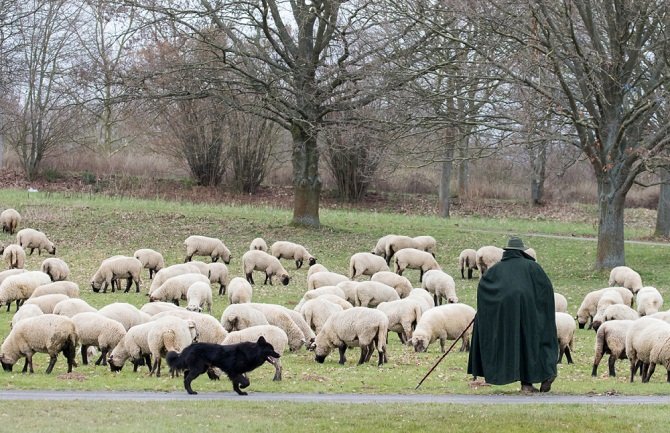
[[233, 359]]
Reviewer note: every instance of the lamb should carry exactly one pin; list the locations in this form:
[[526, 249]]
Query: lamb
[[289, 250], [176, 288], [589, 305], [625, 277], [25, 312], [31, 238], [68, 288], [57, 269], [648, 301], [316, 311], [199, 296], [565, 332], [14, 255], [240, 316], [607, 298], [467, 259], [488, 256], [446, 322], [640, 340], [372, 293], [560, 303], [425, 243], [204, 246], [153, 308], [114, 268], [414, 259], [441, 285], [70, 307], [316, 268], [257, 260], [150, 259], [395, 244], [403, 316], [272, 334], [169, 334], [424, 297], [401, 284], [239, 291], [96, 330], [20, 287], [47, 333], [218, 273], [46, 303], [209, 329], [126, 314], [324, 278], [366, 264], [10, 220], [172, 271], [280, 316], [356, 327], [611, 338], [259, 244]]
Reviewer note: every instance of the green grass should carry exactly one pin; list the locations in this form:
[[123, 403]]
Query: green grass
[[88, 228]]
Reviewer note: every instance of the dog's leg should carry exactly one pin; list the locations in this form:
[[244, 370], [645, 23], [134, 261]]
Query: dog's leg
[[190, 376], [240, 381]]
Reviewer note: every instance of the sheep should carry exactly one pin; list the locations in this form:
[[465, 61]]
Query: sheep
[[204, 246], [589, 305], [203, 267], [372, 293], [316, 268], [218, 273], [259, 244], [209, 329], [531, 252], [114, 268], [611, 338], [488, 256], [348, 288], [424, 297], [401, 284], [272, 334], [153, 308], [199, 296], [380, 247], [126, 314], [68, 288], [316, 311], [356, 327], [322, 291], [565, 332], [625, 277], [661, 315], [96, 330], [425, 243], [467, 259], [403, 316], [176, 288], [257, 260], [290, 250], [660, 353], [325, 278], [56, 268], [7, 273], [414, 259], [10, 220], [47, 302], [133, 345], [70, 307], [150, 259], [446, 322], [14, 255], [366, 264], [648, 301], [239, 291], [31, 238], [395, 244], [441, 285], [619, 312], [20, 287], [169, 334], [172, 271], [48, 333], [640, 340], [560, 303], [25, 312], [240, 316], [607, 298], [280, 316], [297, 318]]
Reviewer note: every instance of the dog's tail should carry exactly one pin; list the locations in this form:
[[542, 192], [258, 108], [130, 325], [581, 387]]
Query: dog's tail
[[175, 361]]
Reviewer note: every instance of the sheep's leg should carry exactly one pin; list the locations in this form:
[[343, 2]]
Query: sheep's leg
[[561, 350], [84, 355], [343, 349], [102, 359], [650, 370], [469, 273], [129, 284], [667, 379], [9, 306], [188, 259], [568, 356], [25, 366], [137, 285], [436, 299], [250, 278], [52, 362], [298, 264], [157, 366], [364, 354], [31, 251], [420, 274], [147, 361], [462, 273], [268, 278], [382, 357], [610, 364], [443, 342], [403, 340], [222, 289]]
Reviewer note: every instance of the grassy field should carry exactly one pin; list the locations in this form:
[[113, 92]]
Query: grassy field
[[88, 228]]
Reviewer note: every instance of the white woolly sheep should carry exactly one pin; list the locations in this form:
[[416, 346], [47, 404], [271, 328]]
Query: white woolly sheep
[[322, 291], [325, 278], [589, 305], [96, 330], [611, 338], [441, 285], [661, 315], [10, 220], [70, 307], [150, 259], [446, 322], [153, 308], [560, 303], [607, 298], [20, 287], [257, 260], [172, 271], [259, 244], [425, 243], [239, 291], [316, 268], [69, 288], [203, 267], [380, 247], [316, 311], [565, 332], [531, 252], [619, 312], [209, 329], [414, 259], [115, 268], [31, 238], [488, 256], [204, 246], [218, 273], [14, 256], [395, 244], [280, 316], [648, 301], [47, 333], [660, 353], [46, 302], [424, 297], [356, 327], [403, 316], [272, 334], [625, 277], [401, 284], [366, 264], [169, 334], [640, 340], [25, 312], [290, 250], [126, 314], [240, 316], [348, 288], [467, 259], [199, 297], [133, 345], [176, 288], [297, 318], [372, 293], [7, 273], [56, 268]]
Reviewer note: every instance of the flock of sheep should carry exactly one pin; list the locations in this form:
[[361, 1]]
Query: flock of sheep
[[336, 311]]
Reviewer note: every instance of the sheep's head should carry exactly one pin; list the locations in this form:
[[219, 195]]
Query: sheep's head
[[452, 299], [420, 343], [7, 362], [320, 352], [312, 260], [95, 287], [51, 249], [112, 366], [284, 279]]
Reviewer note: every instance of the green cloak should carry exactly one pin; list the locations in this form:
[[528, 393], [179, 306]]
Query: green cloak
[[514, 336]]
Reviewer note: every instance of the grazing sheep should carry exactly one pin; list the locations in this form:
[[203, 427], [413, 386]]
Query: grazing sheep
[[115, 268], [218, 273], [424, 297], [403, 316], [239, 291], [356, 327], [397, 243], [441, 285], [257, 260], [321, 291], [372, 293], [150, 259], [565, 332], [414, 259], [280, 316], [348, 288], [625, 277], [425, 243], [401, 284], [446, 322], [316, 268], [126, 314], [467, 259], [324, 278], [240, 316], [10, 220], [133, 345], [380, 247], [209, 329], [46, 302], [289, 250], [259, 244], [68, 288], [176, 288], [14, 256], [56, 268], [20, 287], [96, 330], [608, 297], [31, 238], [172, 271], [640, 340], [297, 318], [619, 312], [648, 301], [589, 305], [366, 264], [316, 311], [560, 303], [70, 307], [25, 312], [272, 334], [203, 267], [7, 273], [199, 297], [47, 333], [169, 334], [611, 338], [204, 246], [488, 256], [153, 308], [660, 353]]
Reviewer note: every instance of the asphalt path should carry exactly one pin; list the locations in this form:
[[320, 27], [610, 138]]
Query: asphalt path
[[494, 399]]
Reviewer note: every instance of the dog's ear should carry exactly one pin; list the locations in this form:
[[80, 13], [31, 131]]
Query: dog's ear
[[261, 340]]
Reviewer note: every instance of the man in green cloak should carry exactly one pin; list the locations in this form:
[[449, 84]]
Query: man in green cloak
[[514, 335]]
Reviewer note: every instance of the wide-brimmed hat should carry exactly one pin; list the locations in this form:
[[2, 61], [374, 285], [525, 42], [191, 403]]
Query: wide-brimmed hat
[[515, 243]]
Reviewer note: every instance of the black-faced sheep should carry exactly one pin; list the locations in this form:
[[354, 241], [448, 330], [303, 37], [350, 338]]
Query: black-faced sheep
[[172, 271], [24, 312], [366, 264], [96, 330], [10, 220], [488, 256], [69, 288], [316, 311], [176, 288], [411, 258], [611, 338], [20, 287], [56, 268], [401, 284], [257, 260], [395, 244], [239, 291], [403, 316], [640, 340], [625, 277], [204, 246], [199, 297], [467, 259], [70, 307], [47, 303], [446, 322], [565, 332], [218, 274], [589, 306], [126, 314], [441, 285], [648, 301], [14, 256], [115, 268], [150, 259], [259, 244], [34, 239], [290, 250], [560, 303], [324, 278], [372, 293], [209, 329]]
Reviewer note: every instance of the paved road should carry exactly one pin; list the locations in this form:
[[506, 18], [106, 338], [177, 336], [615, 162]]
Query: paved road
[[339, 398]]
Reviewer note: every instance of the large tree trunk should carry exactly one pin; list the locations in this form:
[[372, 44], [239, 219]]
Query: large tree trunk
[[663, 211], [306, 179], [445, 179], [610, 226]]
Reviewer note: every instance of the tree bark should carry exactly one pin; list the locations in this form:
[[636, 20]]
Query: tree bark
[[306, 179], [538, 165], [663, 211], [610, 251], [463, 170], [445, 179]]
